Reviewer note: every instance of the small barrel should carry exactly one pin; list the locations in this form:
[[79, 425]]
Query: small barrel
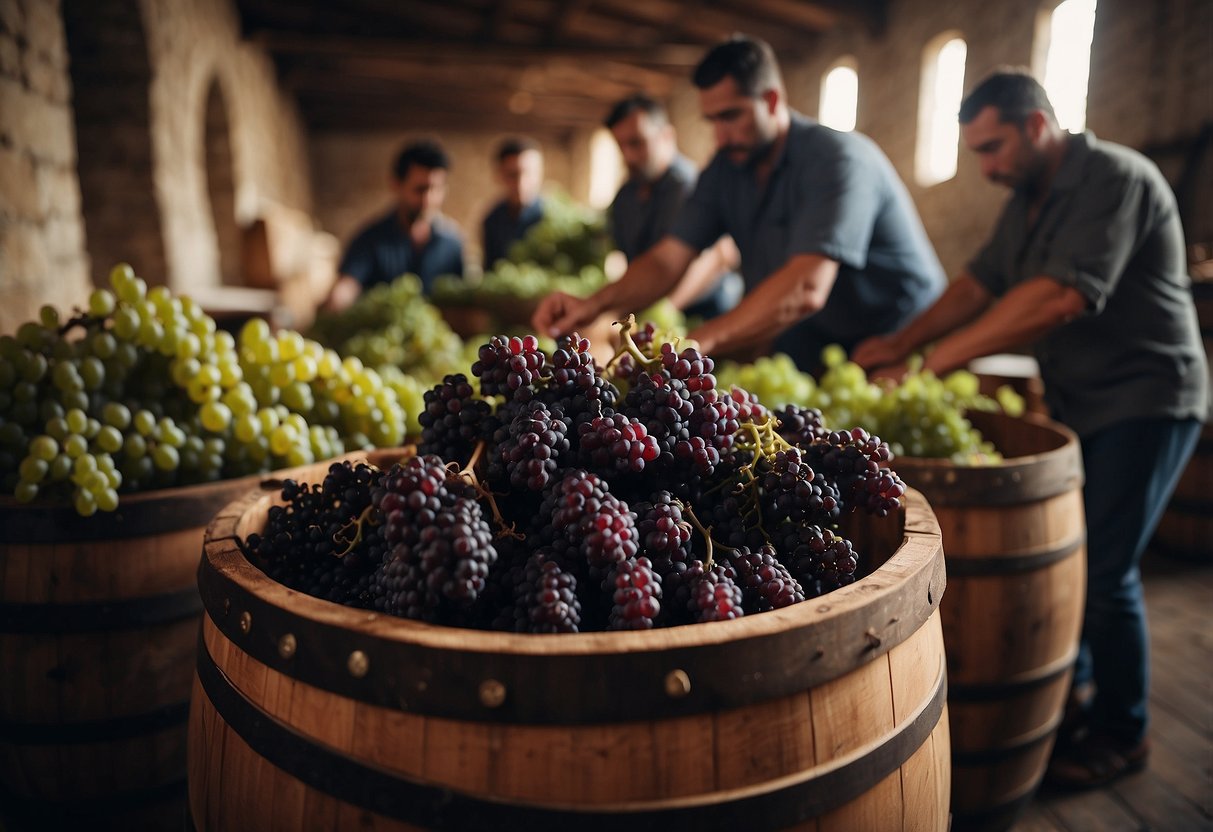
[[1015, 536], [98, 626], [826, 715]]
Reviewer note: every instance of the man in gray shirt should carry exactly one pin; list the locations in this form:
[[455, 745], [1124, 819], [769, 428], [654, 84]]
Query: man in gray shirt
[[659, 181], [832, 249], [1087, 263]]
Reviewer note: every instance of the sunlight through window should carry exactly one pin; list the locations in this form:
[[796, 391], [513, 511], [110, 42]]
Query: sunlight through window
[[938, 129], [1066, 35], [840, 96]]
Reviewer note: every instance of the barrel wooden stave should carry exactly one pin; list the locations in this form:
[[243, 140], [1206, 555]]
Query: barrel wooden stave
[[1015, 542], [702, 757], [98, 630]]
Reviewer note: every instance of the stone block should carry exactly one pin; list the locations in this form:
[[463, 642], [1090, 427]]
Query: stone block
[[44, 31], [58, 191], [12, 20], [18, 187], [10, 57]]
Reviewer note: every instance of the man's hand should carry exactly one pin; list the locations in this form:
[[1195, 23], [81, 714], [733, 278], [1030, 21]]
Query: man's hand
[[878, 351], [559, 314]]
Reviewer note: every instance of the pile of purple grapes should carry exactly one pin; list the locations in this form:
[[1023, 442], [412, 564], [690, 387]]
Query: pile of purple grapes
[[552, 495]]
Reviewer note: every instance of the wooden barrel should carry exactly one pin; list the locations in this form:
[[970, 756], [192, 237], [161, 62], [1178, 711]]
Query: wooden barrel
[[98, 627], [827, 715], [1186, 528], [1015, 537]]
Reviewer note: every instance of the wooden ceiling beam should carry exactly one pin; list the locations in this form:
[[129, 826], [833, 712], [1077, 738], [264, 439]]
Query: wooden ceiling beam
[[280, 42]]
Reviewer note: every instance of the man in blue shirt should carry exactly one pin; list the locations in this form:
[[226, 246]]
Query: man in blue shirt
[[660, 179], [832, 249], [520, 172], [1087, 263], [413, 238]]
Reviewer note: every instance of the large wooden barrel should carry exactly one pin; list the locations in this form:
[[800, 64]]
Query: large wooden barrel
[[98, 627], [1015, 537], [827, 715]]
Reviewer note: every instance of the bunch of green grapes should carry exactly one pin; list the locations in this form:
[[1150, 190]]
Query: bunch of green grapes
[[923, 416], [567, 239], [775, 380], [392, 325], [516, 281], [141, 391]]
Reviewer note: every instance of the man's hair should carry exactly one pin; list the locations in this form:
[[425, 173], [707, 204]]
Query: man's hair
[[1013, 92], [423, 154], [514, 146], [638, 103], [750, 62]]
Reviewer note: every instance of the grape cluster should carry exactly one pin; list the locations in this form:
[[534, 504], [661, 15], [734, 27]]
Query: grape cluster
[[140, 390], [542, 501], [321, 541]]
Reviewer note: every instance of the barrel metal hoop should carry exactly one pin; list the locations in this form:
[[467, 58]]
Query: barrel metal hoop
[[100, 616], [999, 816], [965, 693], [978, 566], [174, 510], [428, 680], [82, 813], [792, 800], [1016, 747], [96, 730]]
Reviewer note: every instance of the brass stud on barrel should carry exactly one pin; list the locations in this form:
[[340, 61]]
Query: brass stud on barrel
[[358, 664], [677, 683], [492, 693], [246, 622], [287, 645]]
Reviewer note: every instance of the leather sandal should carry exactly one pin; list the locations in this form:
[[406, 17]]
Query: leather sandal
[[1096, 761]]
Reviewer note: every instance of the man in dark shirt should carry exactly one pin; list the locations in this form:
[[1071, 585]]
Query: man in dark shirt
[[832, 249], [413, 238], [659, 181], [520, 173], [1087, 263]]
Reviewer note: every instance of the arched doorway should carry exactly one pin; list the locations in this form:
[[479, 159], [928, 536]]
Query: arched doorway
[[111, 81], [221, 184]]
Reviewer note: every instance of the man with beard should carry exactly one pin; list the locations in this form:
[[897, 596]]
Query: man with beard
[[832, 250], [413, 238], [659, 181], [1087, 263], [519, 168]]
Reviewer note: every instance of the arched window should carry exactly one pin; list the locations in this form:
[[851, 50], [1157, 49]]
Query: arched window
[[1062, 59], [943, 76], [840, 95]]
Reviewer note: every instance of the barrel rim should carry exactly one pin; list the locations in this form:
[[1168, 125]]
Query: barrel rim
[[1018, 479], [764, 656], [139, 513]]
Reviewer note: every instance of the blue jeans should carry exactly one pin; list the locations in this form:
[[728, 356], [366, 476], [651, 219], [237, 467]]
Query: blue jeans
[[1131, 469]]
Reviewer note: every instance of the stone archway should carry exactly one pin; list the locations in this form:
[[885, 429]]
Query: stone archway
[[111, 79], [221, 184]]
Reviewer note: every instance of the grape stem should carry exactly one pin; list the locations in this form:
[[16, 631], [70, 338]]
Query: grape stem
[[357, 524], [468, 475], [628, 346], [708, 562]]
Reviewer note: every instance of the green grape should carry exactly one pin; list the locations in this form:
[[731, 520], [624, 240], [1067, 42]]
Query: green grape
[[44, 447], [166, 458], [26, 492], [109, 439], [107, 499], [215, 416], [33, 469], [85, 503], [144, 422], [75, 446], [49, 316], [134, 446], [117, 415], [92, 372], [101, 303]]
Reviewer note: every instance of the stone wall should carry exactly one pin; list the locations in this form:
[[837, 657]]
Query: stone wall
[[42, 253]]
